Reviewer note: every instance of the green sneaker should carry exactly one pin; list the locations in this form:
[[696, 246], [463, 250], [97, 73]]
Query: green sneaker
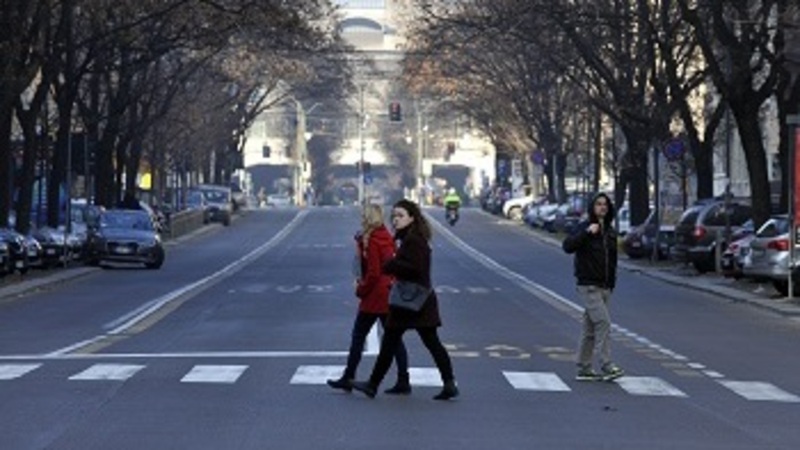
[[611, 372], [587, 374]]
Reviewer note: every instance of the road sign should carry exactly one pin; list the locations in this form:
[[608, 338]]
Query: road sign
[[674, 149], [367, 178]]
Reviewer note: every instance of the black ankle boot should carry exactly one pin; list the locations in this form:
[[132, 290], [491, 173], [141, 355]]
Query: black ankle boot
[[450, 390], [365, 387], [402, 387], [343, 383]]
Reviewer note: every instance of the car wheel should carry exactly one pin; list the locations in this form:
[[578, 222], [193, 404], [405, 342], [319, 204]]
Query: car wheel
[[227, 221], [158, 261]]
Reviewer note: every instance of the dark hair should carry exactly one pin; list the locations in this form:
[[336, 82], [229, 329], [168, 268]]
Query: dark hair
[[420, 224]]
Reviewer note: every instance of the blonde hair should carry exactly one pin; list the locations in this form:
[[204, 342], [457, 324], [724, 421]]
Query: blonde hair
[[371, 218]]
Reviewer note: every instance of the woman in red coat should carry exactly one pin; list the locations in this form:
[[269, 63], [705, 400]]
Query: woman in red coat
[[375, 247], [412, 262]]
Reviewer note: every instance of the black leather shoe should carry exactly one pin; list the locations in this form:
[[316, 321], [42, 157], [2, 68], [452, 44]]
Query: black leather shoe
[[400, 388], [450, 390], [365, 388], [344, 384]]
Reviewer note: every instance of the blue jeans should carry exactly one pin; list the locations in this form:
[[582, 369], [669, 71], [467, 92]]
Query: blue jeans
[[361, 328]]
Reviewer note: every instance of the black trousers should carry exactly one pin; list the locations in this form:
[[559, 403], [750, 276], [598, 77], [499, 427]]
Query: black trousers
[[430, 338], [361, 328]]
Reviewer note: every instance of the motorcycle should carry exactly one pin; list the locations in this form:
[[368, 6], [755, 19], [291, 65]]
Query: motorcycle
[[451, 216]]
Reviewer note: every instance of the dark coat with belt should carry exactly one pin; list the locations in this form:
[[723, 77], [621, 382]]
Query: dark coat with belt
[[412, 262]]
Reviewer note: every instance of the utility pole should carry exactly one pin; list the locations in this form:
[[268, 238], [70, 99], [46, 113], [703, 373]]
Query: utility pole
[[362, 123]]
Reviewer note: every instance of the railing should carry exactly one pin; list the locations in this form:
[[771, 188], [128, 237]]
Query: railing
[[182, 223]]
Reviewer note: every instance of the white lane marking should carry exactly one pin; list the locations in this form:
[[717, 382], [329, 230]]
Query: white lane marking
[[127, 321], [713, 374], [116, 372], [188, 355], [316, 374], [697, 366], [760, 391], [214, 374], [420, 376], [13, 371], [289, 289], [649, 386], [477, 290], [536, 381], [320, 289]]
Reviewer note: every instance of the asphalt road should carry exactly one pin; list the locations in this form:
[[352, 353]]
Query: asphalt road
[[228, 347]]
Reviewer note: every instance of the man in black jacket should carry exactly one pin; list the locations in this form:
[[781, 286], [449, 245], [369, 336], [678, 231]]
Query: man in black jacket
[[594, 243]]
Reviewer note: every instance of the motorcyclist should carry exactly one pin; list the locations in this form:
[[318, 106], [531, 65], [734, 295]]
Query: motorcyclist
[[452, 202]]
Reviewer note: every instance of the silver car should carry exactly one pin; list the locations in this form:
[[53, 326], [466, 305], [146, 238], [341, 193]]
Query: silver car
[[769, 253]]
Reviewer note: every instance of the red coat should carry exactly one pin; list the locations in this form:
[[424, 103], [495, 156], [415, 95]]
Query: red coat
[[373, 288]]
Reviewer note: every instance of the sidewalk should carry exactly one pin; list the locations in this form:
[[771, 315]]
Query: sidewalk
[[738, 291]]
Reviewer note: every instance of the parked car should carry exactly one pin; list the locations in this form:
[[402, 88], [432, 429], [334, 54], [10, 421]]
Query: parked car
[[640, 240], [220, 202], [18, 250], [736, 257], [5, 259], [512, 208], [126, 236], [195, 200], [56, 248], [769, 253], [700, 227]]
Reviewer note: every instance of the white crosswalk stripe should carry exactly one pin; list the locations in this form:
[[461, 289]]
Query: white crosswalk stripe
[[116, 372], [317, 375], [214, 374], [760, 391], [536, 381], [13, 371], [649, 386]]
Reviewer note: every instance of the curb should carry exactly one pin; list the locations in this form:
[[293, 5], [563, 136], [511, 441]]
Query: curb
[[782, 307]]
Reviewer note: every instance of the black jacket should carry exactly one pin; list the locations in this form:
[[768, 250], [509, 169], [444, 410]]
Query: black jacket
[[412, 262], [595, 254]]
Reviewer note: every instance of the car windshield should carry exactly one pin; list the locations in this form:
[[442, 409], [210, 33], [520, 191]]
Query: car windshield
[[194, 199], [216, 196], [774, 227], [126, 221]]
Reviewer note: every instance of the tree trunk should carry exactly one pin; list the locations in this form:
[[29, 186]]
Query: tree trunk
[[636, 174], [749, 127], [6, 176], [29, 161], [703, 155]]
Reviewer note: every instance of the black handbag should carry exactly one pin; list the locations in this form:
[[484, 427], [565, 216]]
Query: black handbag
[[408, 295]]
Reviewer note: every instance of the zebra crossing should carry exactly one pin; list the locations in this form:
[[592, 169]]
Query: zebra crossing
[[536, 382]]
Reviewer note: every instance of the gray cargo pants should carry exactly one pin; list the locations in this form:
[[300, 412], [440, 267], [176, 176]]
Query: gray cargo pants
[[596, 326]]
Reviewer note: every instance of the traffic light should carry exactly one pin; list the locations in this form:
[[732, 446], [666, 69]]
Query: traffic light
[[395, 112], [367, 167]]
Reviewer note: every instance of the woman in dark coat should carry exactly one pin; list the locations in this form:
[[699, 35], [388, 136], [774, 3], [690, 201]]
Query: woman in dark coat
[[412, 262], [375, 246]]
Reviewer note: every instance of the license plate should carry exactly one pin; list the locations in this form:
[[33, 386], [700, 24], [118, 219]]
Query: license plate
[[51, 251], [19, 264], [124, 250], [32, 253], [756, 253], [636, 244]]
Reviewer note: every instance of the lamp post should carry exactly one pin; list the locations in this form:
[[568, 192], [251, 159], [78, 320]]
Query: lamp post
[[362, 123]]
